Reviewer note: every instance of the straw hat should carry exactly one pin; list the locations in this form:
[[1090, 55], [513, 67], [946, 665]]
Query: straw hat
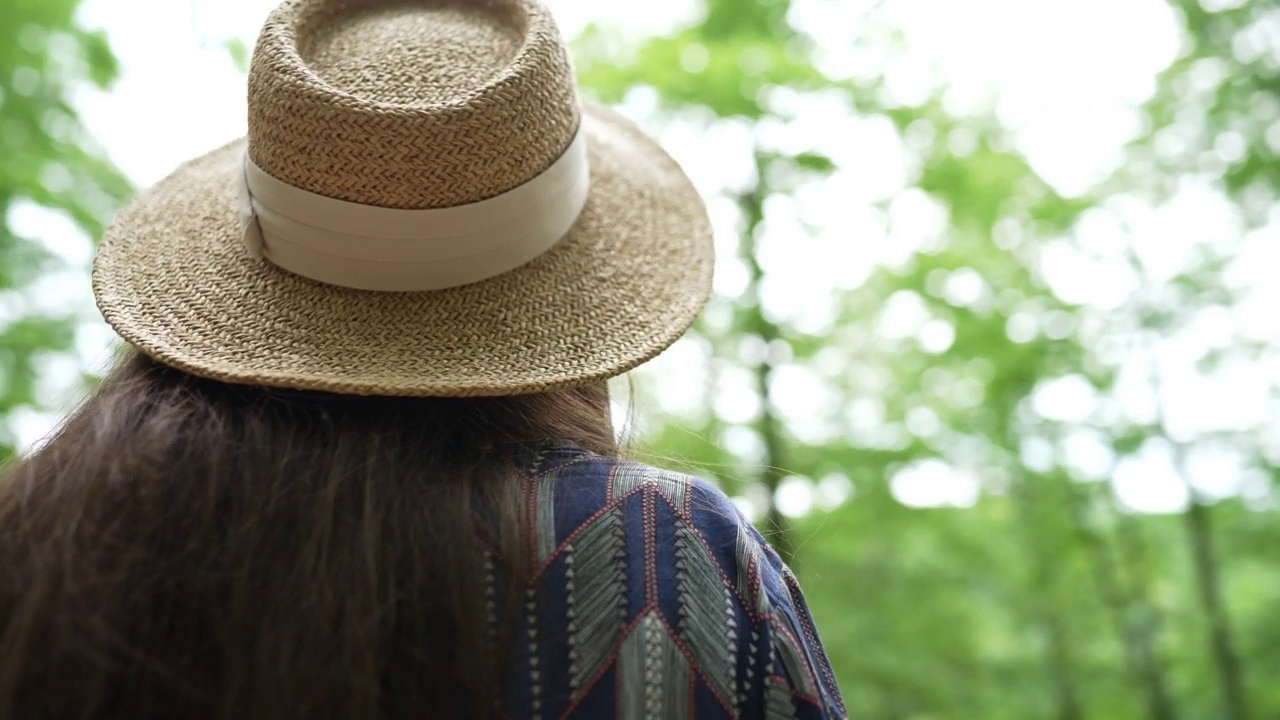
[[422, 207]]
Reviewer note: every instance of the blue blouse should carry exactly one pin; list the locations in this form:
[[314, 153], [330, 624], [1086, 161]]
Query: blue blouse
[[652, 597]]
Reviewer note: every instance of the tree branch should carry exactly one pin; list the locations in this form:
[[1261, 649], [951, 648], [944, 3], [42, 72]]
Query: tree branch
[[778, 529]]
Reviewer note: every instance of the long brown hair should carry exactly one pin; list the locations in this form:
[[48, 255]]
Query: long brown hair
[[184, 548]]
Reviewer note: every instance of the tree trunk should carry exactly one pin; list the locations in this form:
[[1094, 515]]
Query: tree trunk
[[1046, 613], [1199, 526], [1135, 623], [1067, 695], [777, 529]]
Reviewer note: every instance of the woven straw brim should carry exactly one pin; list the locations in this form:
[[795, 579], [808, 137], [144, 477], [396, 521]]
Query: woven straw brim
[[172, 278]]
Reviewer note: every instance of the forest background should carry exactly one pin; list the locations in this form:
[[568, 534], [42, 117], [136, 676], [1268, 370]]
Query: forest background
[[993, 351]]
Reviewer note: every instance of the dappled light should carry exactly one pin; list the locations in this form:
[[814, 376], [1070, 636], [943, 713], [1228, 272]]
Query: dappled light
[[993, 352]]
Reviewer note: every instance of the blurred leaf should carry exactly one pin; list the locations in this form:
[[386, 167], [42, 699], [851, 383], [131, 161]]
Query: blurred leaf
[[50, 161], [239, 53]]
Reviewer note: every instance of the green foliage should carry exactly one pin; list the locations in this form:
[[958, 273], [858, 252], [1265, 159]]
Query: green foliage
[[1045, 597], [239, 52], [1231, 79], [48, 162]]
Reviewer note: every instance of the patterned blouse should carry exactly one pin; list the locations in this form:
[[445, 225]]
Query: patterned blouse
[[654, 598]]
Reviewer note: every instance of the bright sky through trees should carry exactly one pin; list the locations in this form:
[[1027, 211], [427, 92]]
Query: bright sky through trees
[[1065, 76]]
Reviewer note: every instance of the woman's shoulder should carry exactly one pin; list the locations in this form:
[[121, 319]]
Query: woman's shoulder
[[577, 487], [568, 491], [687, 578]]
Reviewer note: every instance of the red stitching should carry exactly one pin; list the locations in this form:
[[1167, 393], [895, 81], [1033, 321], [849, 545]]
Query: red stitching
[[757, 582], [684, 513], [693, 695], [808, 670], [530, 490], [612, 504], [693, 663], [613, 658], [811, 700], [793, 691], [811, 633], [540, 473], [729, 583], [612, 477]]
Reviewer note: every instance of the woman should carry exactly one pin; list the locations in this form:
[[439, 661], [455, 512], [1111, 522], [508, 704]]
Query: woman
[[358, 462]]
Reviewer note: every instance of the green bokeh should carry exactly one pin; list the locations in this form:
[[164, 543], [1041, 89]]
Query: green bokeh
[[1043, 600]]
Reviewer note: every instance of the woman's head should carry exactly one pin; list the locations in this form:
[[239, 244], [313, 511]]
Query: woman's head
[[188, 548], [423, 206], [426, 222]]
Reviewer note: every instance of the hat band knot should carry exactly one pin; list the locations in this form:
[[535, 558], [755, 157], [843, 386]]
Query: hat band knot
[[375, 248]]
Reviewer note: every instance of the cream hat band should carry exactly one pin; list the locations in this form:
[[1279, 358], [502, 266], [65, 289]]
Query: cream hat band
[[367, 247]]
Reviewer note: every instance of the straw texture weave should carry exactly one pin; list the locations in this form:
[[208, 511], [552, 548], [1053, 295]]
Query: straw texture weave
[[413, 105], [409, 106]]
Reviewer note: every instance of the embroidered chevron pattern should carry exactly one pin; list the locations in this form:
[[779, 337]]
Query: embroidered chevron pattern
[[778, 704], [535, 672], [630, 476], [597, 583], [793, 660], [545, 517], [750, 556], [634, 598], [650, 666], [749, 674], [706, 612]]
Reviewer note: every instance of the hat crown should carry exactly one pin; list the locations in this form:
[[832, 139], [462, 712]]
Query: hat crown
[[410, 104]]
